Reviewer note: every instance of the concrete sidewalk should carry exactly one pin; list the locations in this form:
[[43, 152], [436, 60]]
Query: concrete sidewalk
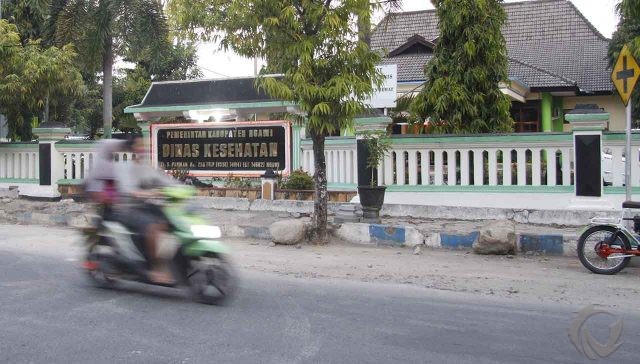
[[254, 224]]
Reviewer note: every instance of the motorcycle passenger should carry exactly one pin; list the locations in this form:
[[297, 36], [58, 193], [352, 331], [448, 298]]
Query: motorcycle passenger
[[137, 179], [101, 183]]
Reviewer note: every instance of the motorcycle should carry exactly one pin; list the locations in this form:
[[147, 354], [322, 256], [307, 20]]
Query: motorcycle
[[606, 245], [200, 262]]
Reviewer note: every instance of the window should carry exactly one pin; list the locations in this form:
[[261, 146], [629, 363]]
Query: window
[[526, 117]]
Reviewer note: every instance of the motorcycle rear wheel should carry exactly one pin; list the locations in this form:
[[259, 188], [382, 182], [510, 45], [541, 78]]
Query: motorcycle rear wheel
[[589, 243], [97, 275], [211, 279]]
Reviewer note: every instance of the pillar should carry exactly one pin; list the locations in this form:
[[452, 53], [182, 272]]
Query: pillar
[[296, 153], [558, 125], [51, 162], [268, 181], [587, 122], [546, 109]]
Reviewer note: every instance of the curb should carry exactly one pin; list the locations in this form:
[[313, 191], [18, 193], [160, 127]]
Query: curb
[[527, 243], [360, 233]]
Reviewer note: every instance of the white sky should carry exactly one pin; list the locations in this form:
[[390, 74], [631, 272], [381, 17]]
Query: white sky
[[216, 64]]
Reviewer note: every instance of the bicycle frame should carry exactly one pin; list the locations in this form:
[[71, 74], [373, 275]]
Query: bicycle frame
[[618, 224]]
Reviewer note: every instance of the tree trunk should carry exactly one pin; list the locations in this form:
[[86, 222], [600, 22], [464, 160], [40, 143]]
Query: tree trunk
[[46, 109], [107, 87], [320, 234]]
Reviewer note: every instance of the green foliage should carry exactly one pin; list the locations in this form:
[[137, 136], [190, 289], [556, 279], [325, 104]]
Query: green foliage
[[29, 16], [105, 29], [32, 77], [628, 32], [378, 145], [470, 60], [298, 180], [237, 182]]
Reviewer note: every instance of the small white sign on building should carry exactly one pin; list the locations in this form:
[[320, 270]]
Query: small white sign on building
[[386, 95]]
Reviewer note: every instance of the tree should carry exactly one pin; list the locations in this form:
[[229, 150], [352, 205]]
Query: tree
[[462, 93], [29, 16], [628, 32], [29, 75], [327, 68], [104, 29]]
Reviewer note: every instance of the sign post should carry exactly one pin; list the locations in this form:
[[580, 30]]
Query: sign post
[[624, 76]]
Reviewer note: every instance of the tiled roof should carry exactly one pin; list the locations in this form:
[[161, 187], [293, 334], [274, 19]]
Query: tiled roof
[[548, 36]]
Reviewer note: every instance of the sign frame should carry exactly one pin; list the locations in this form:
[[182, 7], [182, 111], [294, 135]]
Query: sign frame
[[154, 128]]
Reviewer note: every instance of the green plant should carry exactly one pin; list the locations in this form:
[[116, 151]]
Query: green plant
[[378, 145], [237, 182], [298, 180]]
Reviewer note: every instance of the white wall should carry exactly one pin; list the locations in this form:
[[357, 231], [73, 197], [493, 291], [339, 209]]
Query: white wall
[[611, 104], [541, 201]]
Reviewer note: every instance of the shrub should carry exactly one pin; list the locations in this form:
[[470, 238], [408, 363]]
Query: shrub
[[298, 180], [237, 182]]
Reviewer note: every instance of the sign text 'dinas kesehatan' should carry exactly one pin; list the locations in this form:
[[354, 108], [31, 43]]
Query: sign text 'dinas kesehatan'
[[253, 148]]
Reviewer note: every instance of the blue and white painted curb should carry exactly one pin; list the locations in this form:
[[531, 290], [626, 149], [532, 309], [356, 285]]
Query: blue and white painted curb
[[549, 244]]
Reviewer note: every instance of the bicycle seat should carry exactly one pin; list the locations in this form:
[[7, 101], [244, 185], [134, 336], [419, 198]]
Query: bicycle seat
[[631, 205]]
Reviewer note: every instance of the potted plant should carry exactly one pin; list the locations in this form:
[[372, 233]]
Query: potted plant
[[372, 196]]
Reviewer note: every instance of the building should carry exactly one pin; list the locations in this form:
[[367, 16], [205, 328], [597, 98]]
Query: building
[[557, 59]]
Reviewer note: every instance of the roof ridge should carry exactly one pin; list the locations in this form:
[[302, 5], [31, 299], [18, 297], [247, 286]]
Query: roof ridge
[[521, 2], [591, 26], [537, 68]]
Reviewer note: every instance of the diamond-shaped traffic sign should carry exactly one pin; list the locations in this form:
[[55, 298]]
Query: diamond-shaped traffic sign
[[625, 74]]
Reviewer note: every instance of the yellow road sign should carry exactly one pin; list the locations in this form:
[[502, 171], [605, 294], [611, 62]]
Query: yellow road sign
[[625, 74]]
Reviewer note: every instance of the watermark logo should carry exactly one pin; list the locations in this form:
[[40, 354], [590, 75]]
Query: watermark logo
[[585, 343]]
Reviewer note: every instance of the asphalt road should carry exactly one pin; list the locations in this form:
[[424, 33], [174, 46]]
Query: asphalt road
[[50, 314]]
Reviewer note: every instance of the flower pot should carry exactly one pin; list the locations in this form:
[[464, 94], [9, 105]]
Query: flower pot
[[371, 199]]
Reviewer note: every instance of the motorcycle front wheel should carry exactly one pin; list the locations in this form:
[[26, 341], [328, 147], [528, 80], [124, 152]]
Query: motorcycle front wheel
[[589, 250], [211, 279]]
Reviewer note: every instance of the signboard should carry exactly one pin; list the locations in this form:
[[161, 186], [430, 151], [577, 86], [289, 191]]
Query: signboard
[[386, 96], [220, 149], [625, 74]]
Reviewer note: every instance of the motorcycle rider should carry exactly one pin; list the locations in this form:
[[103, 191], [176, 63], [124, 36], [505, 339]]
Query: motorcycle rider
[[136, 181]]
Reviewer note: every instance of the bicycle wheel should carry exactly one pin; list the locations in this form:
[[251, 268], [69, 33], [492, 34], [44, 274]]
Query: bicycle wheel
[[590, 250]]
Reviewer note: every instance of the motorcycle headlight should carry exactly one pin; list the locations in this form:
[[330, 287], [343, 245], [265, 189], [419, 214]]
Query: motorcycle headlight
[[206, 231]]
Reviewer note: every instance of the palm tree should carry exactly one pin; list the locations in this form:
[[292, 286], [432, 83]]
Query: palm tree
[[105, 29]]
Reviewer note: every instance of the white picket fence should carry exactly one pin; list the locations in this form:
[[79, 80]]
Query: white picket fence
[[79, 159], [341, 158], [19, 161], [493, 160]]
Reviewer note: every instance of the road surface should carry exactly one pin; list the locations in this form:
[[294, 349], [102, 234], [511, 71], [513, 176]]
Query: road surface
[[50, 314]]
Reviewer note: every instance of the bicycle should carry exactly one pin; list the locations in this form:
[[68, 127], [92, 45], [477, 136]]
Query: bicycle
[[606, 245]]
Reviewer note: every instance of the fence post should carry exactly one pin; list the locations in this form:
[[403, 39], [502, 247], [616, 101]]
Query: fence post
[[588, 121], [51, 162]]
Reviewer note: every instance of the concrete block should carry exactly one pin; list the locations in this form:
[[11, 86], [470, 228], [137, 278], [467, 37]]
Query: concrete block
[[354, 233], [227, 203], [548, 244], [257, 232], [387, 235], [433, 241], [291, 206], [458, 241], [413, 237]]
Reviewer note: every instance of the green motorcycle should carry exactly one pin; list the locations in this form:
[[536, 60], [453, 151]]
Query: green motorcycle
[[200, 262]]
